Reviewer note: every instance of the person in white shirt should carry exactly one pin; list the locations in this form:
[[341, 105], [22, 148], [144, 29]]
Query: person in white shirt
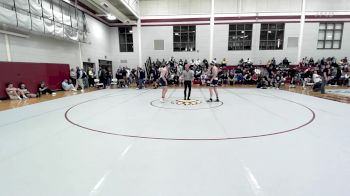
[[67, 86], [316, 78], [14, 93], [317, 81]]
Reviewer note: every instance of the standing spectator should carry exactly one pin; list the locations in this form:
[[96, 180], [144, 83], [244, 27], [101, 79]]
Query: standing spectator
[[124, 74], [103, 77], [80, 76], [285, 61], [224, 62], [91, 76], [325, 78], [109, 76], [141, 78], [73, 76], [292, 74]]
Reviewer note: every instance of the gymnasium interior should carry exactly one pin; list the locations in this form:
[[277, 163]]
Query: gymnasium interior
[[174, 97]]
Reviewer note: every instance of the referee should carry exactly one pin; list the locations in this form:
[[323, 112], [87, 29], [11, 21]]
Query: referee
[[188, 76]]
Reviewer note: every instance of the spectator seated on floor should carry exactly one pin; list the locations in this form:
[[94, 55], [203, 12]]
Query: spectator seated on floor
[[316, 78], [43, 89], [25, 91], [14, 93], [68, 86], [262, 83], [306, 77]]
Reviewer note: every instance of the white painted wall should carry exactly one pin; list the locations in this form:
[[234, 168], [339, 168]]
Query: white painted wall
[[50, 50], [310, 43], [41, 49], [258, 56], [327, 5], [174, 7], [3, 56], [149, 34], [99, 44], [117, 56], [267, 5], [194, 7]]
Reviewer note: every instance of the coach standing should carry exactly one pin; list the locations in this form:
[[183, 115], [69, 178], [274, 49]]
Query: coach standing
[[187, 76]]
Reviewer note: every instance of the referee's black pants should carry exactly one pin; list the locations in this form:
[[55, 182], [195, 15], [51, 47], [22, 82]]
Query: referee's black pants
[[189, 85]]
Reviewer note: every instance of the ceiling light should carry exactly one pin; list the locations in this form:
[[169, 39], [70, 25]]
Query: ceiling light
[[111, 17]]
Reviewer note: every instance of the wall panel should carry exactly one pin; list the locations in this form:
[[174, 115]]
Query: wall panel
[[40, 49], [3, 55], [32, 74]]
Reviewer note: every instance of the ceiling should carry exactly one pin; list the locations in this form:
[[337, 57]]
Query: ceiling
[[100, 8]]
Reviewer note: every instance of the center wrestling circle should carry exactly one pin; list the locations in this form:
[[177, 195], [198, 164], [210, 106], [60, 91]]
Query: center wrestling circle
[[196, 103], [135, 130]]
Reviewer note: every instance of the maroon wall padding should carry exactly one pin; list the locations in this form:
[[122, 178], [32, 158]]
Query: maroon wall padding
[[32, 74]]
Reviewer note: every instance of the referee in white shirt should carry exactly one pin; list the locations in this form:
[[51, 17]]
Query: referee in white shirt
[[188, 76]]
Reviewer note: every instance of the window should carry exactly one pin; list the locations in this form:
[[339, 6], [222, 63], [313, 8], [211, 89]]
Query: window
[[330, 35], [184, 38], [126, 43], [240, 37], [271, 36]]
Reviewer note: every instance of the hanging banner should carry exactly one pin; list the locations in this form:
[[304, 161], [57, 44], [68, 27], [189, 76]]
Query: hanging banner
[[70, 33], [7, 2], [22, 4], [57, 13], [35, 7], [47, 9], [37, 24], [58, 29], [8, 16], [24, 20], [49, 27]]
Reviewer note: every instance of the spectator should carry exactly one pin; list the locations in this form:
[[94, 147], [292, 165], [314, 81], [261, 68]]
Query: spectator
[[14, 93], [91, 76], [141, 78], [80, 76], [317, 81], [285, 61], [68, 86], [224, 62], [43, 89], [325, 77], [73, 76], [103, 76], [25, 91]]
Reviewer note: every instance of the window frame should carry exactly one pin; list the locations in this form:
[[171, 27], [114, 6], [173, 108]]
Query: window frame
[[184, 38], [233, 29], [125, 45], [268, 43], [324, 40]]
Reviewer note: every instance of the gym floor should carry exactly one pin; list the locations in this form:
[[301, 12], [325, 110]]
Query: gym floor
[[125, 142]]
